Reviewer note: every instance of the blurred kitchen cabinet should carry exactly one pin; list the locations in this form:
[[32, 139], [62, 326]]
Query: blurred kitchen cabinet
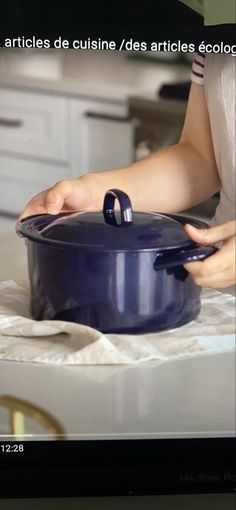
[[106, 136], [34, 125], [159, 123], [34, 145], [22, 178], [47, 137]]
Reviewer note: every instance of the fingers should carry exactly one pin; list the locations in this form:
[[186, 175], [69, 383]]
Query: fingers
[[213, 264], [35, 206], [58, 195], [211, 235], [216, 271], [53, 202], [217, 281], [50, 201]]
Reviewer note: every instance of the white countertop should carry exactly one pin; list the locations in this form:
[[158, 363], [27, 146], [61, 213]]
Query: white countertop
[[183, 398], [100, 74], [176, 399]]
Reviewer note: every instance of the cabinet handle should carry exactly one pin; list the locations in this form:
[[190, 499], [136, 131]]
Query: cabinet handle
[[10, 123], [105, 116]]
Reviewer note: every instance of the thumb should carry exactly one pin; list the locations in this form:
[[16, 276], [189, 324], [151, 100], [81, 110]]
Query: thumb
[[211, 234], [53, 202]]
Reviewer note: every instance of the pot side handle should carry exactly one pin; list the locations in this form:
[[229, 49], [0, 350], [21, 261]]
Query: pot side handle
[[167, 259]]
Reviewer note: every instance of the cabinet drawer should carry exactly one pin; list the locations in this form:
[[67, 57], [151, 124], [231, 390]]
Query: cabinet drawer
[[112, 142], [20, 180], [34, 125]]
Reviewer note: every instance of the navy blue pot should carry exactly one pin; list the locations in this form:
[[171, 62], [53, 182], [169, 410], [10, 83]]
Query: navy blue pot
[[123, 276]]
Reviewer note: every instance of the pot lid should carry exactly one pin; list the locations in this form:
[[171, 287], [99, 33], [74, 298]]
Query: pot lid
[[103, 230]]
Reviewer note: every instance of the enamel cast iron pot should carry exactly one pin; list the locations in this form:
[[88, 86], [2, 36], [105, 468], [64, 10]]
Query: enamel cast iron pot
[[122, 276]]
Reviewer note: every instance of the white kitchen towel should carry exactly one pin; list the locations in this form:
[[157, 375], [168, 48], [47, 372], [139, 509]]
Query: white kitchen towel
[[57, 342]]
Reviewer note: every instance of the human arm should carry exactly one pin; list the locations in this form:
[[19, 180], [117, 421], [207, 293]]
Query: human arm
[[171, 180]]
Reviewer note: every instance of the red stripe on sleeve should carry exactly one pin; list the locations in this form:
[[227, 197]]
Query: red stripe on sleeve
[[201, 54], [198, 74], [199, 63]]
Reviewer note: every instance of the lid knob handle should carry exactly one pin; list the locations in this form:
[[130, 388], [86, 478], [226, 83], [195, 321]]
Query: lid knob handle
[[125, 208]]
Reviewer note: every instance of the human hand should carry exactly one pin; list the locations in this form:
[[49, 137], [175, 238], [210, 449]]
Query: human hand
[[218, 270], [67, 195]]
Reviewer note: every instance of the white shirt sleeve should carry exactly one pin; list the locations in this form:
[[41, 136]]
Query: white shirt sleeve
[[198, 68]]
